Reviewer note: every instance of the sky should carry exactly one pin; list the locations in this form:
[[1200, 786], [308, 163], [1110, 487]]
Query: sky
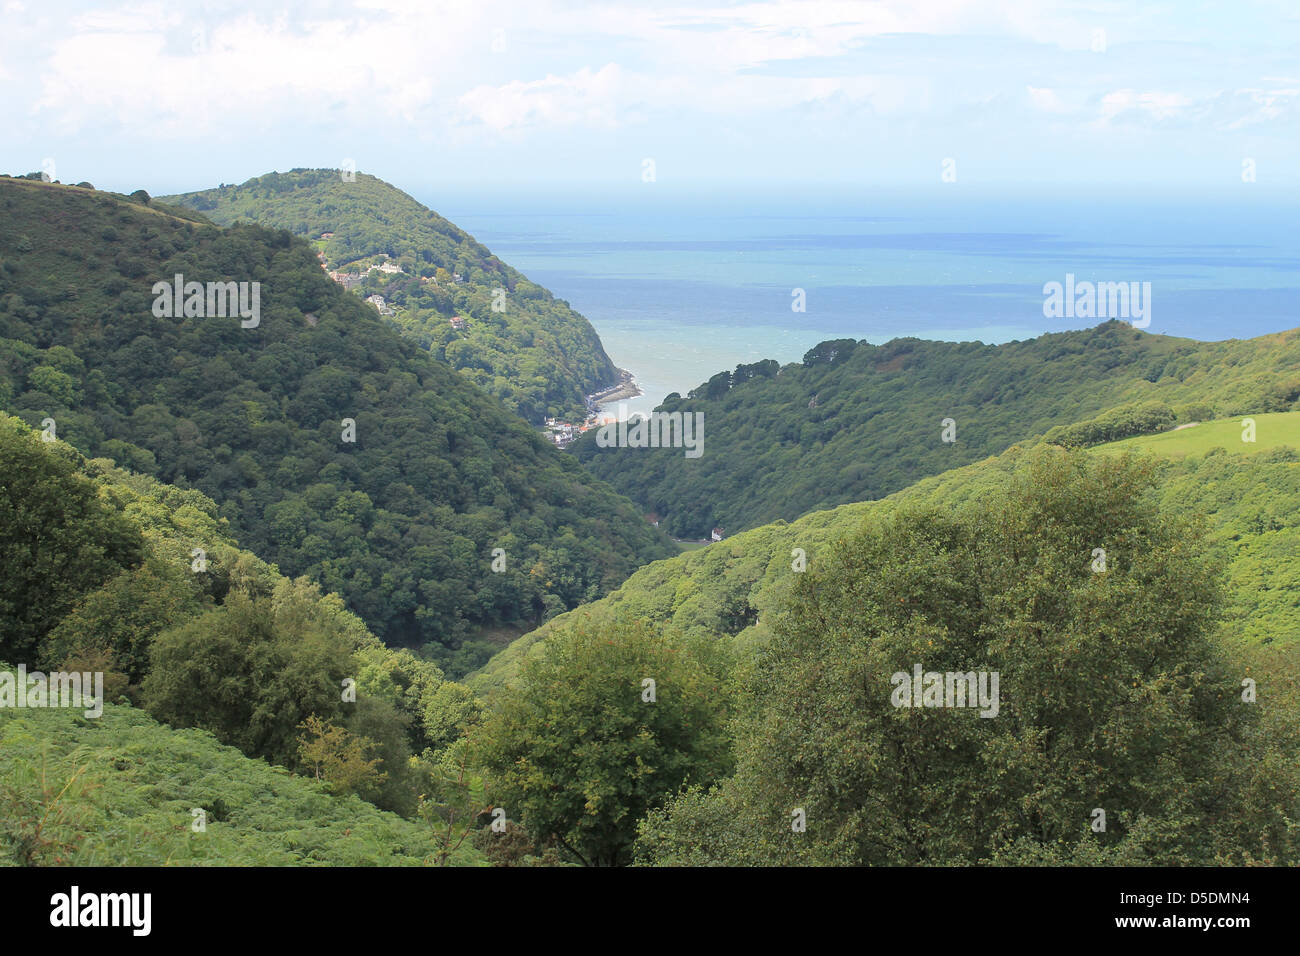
[[525, 96]]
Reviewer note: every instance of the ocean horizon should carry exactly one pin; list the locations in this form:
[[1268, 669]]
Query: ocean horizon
[[682, 289]]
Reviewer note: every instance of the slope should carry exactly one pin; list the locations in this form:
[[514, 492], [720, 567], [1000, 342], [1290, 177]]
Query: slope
[[121, 790], [732, 589], [855, 421], [519, 343], [335, 447]]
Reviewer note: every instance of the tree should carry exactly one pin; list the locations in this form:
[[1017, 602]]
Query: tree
[[1112, 692], [453, 802], [584, 746], [252, 670], [58, 540], [339, 757]]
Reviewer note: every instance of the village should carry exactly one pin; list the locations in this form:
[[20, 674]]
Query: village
[[562, 433]]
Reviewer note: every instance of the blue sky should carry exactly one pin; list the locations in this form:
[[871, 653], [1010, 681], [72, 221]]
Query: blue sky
[[488, 95]]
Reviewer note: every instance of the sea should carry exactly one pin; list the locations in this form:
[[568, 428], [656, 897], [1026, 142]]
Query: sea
[[682, 284]]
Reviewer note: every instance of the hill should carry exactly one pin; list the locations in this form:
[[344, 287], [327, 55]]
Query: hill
[[335, 447], [121, 790], [1117, 681], [732, 590], [112, 573], [521, 344], [855, 421], [1271, 431]]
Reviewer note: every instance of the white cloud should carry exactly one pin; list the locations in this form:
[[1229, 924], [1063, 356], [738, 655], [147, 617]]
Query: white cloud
[[1045, 99], [587, 97], [1153, 104]]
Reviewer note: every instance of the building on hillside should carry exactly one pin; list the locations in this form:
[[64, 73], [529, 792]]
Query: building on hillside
[[457, 323], [378, 302], [718, 534], [348, 280], [327, 235]]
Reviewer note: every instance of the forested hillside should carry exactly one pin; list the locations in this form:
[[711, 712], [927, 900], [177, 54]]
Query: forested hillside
[[855, 421], [1121, 686], [113, 573], [1249, 494], [522, 345], [336, 448]]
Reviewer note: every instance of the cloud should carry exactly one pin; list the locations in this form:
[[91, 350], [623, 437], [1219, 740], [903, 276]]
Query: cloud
[[587, 97], [1141, 106], [1045, 99]]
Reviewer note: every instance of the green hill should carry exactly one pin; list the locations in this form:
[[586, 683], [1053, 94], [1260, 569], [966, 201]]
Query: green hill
[[855, 421], [101, 576], [120, 790], [1118, 682], [402, 521], [1271, 431], [733, 589], [531, 350]]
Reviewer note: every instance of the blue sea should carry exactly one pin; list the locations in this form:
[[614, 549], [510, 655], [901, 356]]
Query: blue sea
[[683, 285]]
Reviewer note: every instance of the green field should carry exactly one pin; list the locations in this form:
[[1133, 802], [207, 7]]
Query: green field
[[1271, 430], [692, 545]]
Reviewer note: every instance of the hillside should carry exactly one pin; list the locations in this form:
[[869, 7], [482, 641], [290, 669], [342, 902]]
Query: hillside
[[524, 346], [103, 574], [121, 791], [732, 590], [1121, 686], [854, 421], [334, 446]]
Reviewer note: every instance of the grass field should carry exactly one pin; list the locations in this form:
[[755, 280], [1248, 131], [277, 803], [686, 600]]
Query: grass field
[[1271, 430], [692, 545]]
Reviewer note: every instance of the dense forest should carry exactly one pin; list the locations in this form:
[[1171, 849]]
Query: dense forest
[[240, 527], [855, 421], [520, 344], [336, 448], [1135, 672], [789, 622], [101, 577]]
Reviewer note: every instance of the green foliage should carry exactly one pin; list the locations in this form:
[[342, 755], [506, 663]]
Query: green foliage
[[340, 758], [537, 355], [58, 540], [1138, 418], [856, 421], [119, 791], [579, 754], [402, 522], [252, 670], [1113, 694], [237, 648]]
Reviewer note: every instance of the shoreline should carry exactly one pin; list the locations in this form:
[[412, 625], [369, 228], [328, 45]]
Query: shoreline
[[626, 388]]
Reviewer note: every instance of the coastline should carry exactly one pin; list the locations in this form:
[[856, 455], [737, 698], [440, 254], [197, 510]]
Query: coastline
[[624, 389]]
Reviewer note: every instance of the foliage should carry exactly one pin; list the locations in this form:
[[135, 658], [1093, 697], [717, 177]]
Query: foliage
[[120, 791], [236, 648], [58, 540], [536, 354], [339, 757], [1113, 695], [583, 749], [402, 522], [856, 421]]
